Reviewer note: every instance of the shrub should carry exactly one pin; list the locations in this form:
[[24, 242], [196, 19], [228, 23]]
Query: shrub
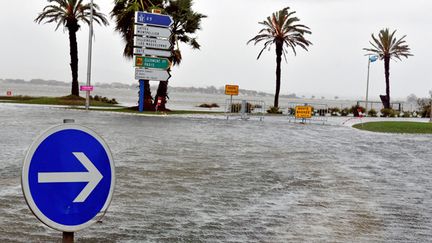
[[356, 109], [345, 111], [291, 111], [388, 112], [104, 99], [274, 110], [425, 107], [372, 113], [407, 114], [212, 105], [335, 111]]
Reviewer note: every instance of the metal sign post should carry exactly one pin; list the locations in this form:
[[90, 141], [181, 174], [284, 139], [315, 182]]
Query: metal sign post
[[231, 90], [152, 47], [89, 56], [370, 59], [141, 96]]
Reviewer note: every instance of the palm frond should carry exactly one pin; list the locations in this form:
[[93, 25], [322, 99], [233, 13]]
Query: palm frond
[[282, 27], [387, 45]]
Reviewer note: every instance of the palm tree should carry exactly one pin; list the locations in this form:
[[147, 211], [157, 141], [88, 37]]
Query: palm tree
[[186, 23], [282, 30], [387, 47], [68, 13], [124, 16]]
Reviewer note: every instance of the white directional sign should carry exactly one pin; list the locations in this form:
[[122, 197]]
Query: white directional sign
[[151, 52], [152, 43], [152, 74], [143, 30], [68, 177]]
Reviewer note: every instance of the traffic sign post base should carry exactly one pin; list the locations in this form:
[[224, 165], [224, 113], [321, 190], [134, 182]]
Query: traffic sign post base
[[68, 237]]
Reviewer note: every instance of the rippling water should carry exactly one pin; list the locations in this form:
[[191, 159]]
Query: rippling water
[[177, 101], [207, 179]]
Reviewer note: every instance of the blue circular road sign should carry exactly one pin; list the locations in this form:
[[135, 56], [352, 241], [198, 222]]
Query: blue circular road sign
[[68, 177]]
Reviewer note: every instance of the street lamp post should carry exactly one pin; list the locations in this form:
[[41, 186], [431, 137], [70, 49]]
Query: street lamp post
[[371, 58], [89, 56], [430, 114]]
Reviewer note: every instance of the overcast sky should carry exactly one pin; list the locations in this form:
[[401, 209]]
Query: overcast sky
[[334, 65]]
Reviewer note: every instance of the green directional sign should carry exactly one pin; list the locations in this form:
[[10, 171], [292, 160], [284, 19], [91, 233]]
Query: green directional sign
[[152, 62]]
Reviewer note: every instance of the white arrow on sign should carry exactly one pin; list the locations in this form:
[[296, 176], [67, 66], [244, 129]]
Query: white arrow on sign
[[152, 74], [144, 30], [152, 43], [151, 52], [93, 177]]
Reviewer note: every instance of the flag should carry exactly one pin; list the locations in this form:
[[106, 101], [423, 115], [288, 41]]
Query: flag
[[373, 58]]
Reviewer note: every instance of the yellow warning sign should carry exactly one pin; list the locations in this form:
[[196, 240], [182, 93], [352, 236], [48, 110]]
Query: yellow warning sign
[[231, 89], [303, 111]]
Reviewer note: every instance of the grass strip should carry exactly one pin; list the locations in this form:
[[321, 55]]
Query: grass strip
[[396, 127], [65, 100]]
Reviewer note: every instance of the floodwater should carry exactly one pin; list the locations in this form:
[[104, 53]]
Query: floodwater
[[177, 101], [208, 179]]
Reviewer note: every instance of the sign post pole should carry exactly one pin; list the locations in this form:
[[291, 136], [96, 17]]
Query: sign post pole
[[370, 59], [367, 86], [231, 104], [152, 48], [68, 237], [231, 90], [141, 96], [89, 56]]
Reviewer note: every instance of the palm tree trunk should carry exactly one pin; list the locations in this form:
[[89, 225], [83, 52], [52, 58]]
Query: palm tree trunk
[[72, 29], [278, 72], [162, 92], [387, 79], [148, 100]]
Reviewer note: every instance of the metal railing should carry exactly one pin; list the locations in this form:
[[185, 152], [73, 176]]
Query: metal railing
[[320, 113], [377, 105], [244, 109]]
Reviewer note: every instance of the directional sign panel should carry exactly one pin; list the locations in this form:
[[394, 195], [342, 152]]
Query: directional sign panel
[[151, 52], [152, 74], [68, 177], [152, 62], [152, 43], [153, 19], [143, 30]]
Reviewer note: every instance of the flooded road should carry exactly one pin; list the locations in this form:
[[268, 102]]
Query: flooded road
[[207, 179]]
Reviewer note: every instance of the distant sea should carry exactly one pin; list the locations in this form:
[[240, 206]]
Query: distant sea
[[179, 99]]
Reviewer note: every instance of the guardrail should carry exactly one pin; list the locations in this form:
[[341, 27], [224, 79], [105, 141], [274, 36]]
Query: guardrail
[[245, 109], [320, 113]]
